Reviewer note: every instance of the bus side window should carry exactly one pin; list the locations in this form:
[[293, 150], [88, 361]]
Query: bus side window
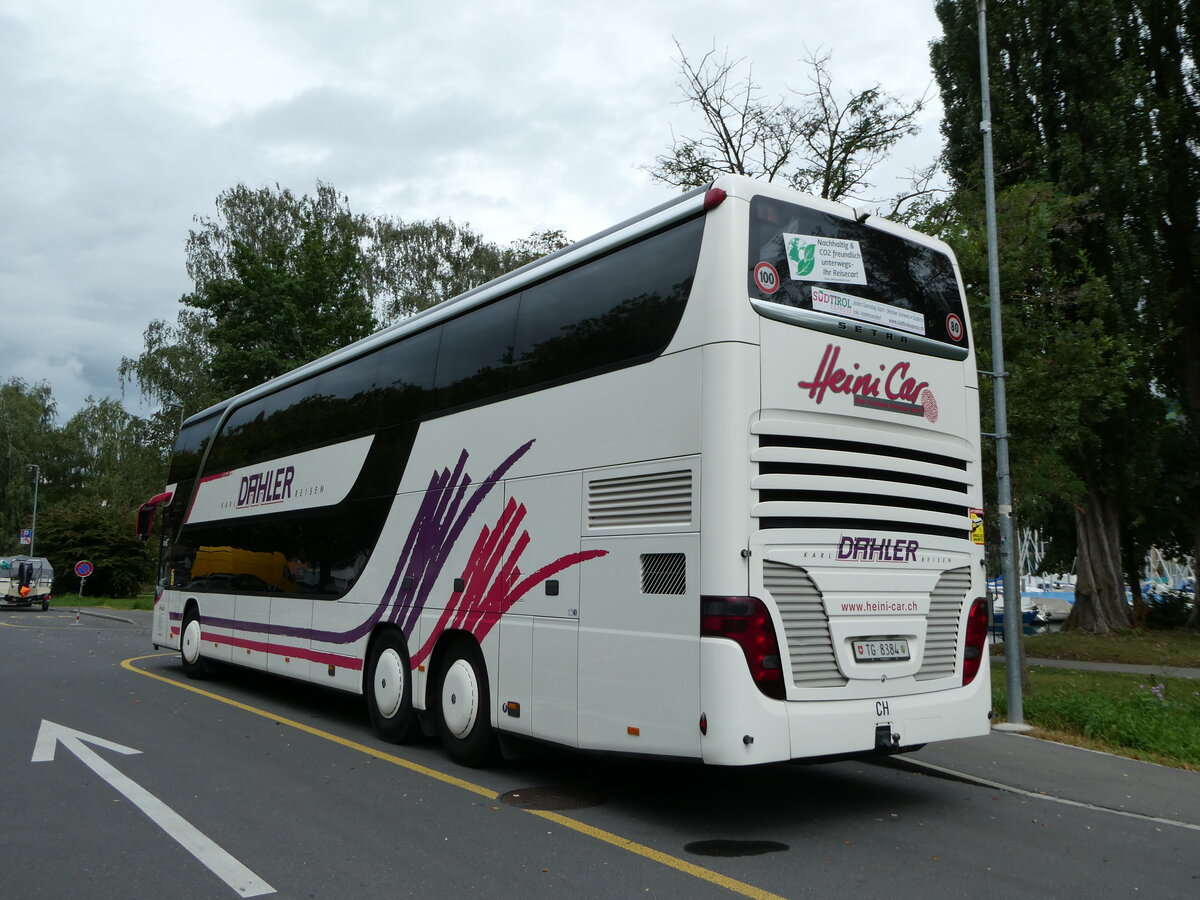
[[475, 359]]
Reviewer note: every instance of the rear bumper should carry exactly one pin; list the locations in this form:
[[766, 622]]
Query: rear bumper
[[747, 728]]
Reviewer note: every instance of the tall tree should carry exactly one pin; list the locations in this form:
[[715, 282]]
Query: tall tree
[[280, 280], [1070, 110], [416, 265], [1168, 47], [819, 140], [173, 371], [110, 458], [26, 439], [280, 290]]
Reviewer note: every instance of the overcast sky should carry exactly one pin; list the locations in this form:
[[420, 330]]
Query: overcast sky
[[123, 120]]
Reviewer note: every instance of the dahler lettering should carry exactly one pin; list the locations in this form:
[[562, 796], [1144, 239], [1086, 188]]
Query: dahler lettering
[[870, 549], [271, 486]]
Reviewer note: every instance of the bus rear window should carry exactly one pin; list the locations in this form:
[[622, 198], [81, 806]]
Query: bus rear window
[[845, 272]]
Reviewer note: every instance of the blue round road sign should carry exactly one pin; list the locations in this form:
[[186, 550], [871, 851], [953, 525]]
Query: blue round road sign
[[83, 568]]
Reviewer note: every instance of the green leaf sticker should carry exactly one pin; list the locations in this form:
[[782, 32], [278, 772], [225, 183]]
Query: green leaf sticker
[[803, 255]]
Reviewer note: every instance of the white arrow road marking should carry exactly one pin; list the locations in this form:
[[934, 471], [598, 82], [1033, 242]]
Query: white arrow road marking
[[224, 866]]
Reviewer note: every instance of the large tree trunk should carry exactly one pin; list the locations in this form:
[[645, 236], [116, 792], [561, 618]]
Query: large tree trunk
[[1132, 560], [1099, 589]]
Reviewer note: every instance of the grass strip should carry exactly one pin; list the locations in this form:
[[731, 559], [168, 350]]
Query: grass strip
[[1140, 716]]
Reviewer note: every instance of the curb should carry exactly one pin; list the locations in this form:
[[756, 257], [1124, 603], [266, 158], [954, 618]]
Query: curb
[[98, 615]]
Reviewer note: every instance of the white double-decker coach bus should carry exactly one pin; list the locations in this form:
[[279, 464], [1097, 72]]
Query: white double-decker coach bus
[[704, 485]]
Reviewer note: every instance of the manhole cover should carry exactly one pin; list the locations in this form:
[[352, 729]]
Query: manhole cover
[[734, 848], [553, 797]]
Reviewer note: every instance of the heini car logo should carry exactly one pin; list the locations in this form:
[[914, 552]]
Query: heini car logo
[[894, 390]]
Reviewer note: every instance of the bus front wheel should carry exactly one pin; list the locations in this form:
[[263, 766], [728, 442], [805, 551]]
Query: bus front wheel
[[189, 646], [463, 708], [389, 689]]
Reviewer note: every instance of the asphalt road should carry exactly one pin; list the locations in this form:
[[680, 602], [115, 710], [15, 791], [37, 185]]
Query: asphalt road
[[285, 789]]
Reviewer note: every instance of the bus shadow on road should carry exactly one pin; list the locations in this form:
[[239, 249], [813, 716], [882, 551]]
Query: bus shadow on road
[[740, 800]]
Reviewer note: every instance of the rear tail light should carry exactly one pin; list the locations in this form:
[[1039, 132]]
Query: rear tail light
[[977, 633], [745, 620]]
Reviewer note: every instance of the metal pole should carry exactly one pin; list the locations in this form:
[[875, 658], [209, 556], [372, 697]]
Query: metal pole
[[37, 478], [1012, 586]]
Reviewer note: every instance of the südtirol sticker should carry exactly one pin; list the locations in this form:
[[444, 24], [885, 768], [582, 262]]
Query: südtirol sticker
[[814, 258], [850, 307]]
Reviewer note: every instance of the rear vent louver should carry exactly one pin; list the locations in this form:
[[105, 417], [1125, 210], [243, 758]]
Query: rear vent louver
[[942, 624], [656, 499], [664, 573], [805, 624], [852, 486]]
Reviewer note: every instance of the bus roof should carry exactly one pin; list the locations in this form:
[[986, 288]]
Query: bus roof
[[682, 207]]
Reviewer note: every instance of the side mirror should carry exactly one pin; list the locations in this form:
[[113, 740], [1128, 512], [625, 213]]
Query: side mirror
[[145, 514], [145, 520]]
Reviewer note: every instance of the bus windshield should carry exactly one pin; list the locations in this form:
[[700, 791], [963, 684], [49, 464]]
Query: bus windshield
[[828, 271]]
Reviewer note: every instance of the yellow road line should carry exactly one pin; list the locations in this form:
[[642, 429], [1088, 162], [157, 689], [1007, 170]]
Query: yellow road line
[[674, 862], [682, 865]]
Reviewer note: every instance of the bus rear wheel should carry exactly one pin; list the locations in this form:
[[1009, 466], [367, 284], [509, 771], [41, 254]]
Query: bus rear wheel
[[463, 706], [189, 645], [389, 689]]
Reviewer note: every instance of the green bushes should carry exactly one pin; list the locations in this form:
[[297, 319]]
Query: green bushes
[[1168, 610]]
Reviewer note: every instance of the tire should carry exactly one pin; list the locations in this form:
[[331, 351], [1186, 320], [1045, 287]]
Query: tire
[[194, 665], [45, 605], [464, 706], [388, 689]]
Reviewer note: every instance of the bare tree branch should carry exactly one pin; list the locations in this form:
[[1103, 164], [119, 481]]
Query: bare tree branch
[[822, 143]]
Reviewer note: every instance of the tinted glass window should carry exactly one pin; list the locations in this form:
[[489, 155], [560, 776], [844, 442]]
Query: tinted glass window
[[476, 354], [359, 397], [403, 377], [319, 554], [838, 268], [275, 424], [621, 307], [189, 449]]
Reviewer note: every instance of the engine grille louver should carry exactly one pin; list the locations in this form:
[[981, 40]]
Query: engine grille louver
[[656, 498], [805, 626], [942, 624], [824, 483]]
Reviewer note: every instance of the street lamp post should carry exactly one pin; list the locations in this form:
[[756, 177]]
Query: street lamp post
[[1012, 585], [37, 479]]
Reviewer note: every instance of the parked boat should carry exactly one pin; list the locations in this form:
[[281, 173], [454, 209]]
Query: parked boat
[[1030, 613]]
